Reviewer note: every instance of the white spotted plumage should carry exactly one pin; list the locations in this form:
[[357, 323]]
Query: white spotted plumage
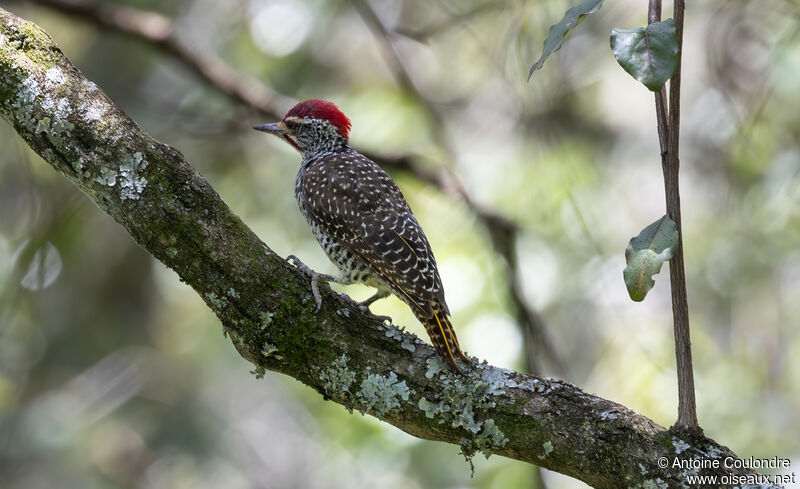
[[363, 222]]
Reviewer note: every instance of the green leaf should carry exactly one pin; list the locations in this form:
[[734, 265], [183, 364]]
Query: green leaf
[[649, 54], [646, 253], [558, 32]]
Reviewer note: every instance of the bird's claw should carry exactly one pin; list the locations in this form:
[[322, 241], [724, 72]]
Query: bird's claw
[[315, 291], [384, 319], [364, 305], [299, 264], [314, 279], [380, 294]]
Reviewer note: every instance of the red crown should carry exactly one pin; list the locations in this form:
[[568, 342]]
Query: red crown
[[320, 109]]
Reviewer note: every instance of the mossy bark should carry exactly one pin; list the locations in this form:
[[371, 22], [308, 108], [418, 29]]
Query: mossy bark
[[266, 308]]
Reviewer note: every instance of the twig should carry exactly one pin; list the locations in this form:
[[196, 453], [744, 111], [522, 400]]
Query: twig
[[158, 30], [668, 133], [403, 77], [654, 15], [456, 20]]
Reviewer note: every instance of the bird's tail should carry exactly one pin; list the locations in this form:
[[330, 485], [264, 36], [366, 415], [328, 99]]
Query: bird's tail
[[442, 334]]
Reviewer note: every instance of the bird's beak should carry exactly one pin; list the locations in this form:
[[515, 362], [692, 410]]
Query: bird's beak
[[273, 128]]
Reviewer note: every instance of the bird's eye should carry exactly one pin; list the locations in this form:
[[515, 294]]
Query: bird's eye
[[291, 125]]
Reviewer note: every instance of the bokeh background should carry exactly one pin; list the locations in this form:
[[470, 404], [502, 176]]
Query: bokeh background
[[113, 374]]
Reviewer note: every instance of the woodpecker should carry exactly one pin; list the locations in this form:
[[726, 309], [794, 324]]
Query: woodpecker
[[361, 219]]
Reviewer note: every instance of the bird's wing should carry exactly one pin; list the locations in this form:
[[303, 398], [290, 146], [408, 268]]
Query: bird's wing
[[355, 201]]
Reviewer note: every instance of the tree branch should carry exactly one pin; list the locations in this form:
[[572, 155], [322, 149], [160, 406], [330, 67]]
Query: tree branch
[[267, 310], [158, 30], [456, 20]]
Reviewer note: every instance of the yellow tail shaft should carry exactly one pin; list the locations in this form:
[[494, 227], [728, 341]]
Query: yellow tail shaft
[[442, 335]]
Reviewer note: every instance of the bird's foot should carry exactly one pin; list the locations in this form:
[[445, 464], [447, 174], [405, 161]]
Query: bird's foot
[[380, 294], [364, 305], [315, 278], [384, 319]]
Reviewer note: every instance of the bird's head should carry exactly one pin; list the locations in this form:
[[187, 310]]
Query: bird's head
[[312, 126]]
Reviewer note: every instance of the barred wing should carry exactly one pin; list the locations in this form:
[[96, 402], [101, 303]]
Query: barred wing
[[354, 201]]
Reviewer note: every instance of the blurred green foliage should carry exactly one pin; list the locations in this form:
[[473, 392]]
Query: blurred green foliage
[[114, 374]]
